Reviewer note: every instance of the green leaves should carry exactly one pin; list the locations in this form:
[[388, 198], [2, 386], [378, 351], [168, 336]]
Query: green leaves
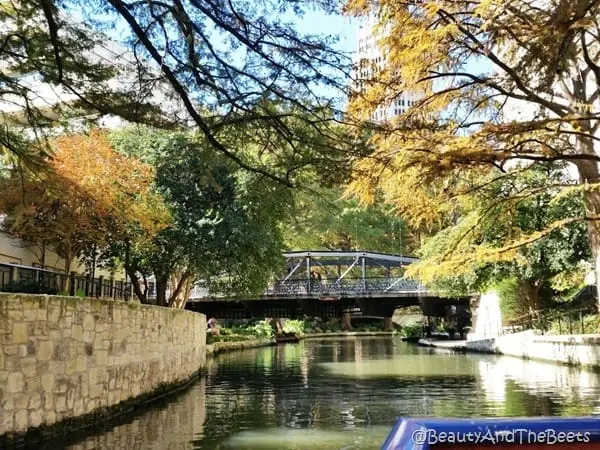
[[226, 225], [323, 219], [473, 253]]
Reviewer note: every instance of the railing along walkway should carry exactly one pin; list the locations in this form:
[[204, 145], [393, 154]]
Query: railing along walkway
[[27, 279]]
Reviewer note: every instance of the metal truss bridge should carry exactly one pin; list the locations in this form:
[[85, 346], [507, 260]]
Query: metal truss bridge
[[328, 284], [325, 273]]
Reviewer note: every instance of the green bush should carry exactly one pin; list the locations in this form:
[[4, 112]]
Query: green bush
[[366, 327], [248, 331], [294, 326], [211, 338], [512, 298], [411, 331], [263, 329], [332, 325]]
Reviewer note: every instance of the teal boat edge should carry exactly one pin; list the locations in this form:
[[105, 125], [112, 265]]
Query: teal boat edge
[[425, 433]]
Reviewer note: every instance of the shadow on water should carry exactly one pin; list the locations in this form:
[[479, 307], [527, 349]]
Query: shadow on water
[[147, 427], [345, 393]]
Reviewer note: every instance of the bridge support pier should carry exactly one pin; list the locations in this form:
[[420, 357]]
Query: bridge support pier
[[346, 322], [388, 324]]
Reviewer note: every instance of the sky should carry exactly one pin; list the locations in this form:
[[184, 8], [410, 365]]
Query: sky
[[341, 27], [313, 21], [317, 22]]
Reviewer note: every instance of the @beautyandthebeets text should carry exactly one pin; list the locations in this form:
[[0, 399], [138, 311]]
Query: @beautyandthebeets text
[[518, 436]]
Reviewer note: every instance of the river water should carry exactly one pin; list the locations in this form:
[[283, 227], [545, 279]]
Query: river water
[[343, 394]]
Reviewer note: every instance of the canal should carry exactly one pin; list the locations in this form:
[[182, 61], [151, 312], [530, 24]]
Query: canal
[[343, 394]]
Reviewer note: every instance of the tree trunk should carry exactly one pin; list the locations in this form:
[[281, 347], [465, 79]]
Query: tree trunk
[[161, 289], [594, 236], [135, 282], [68, 261], [388, 324], [346, 322], [589, 173], [532, 292], [180, 300], [181, 290], [276, 326]]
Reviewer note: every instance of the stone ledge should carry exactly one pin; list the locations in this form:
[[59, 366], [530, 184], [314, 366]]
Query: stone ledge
[[222, 347], [572, 339], [571, 350], [347, 334]]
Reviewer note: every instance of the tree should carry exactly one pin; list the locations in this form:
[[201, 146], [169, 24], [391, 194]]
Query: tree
[[323, 219], [499, 82], [499, 214], [226, 226], [89, 196], [176, 64]]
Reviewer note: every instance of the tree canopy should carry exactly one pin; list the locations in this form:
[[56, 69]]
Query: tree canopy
[[322, 219], [502, 86], [226, 222], [538, 269], [206, 65], [90, 196]]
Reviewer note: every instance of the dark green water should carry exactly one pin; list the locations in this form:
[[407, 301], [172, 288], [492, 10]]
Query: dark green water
[[345, 394]]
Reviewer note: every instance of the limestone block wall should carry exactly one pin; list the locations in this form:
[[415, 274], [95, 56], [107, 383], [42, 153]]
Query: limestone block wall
[[64, 357]]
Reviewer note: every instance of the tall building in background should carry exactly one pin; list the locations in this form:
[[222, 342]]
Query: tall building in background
[[369, 59]]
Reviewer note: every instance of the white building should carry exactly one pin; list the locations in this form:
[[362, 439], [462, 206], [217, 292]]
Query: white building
[[368, 60]]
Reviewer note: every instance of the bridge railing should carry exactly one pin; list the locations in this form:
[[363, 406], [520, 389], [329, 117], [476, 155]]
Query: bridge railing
[[299, 287], [344, 286]]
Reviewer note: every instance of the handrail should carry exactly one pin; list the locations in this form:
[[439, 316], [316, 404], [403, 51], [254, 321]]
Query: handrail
[[343, 286], [541, 319], [29, 279]]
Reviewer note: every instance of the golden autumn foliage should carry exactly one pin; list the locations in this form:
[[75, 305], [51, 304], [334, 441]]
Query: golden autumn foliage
[[89, 195], [501, 85]]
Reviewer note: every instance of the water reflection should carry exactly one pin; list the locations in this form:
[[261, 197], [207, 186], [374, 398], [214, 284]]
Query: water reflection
[[346, 393], [278, 438], [172, 425], [574, 391]]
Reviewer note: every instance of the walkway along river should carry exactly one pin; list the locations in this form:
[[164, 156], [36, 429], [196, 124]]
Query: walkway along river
[[343, 393]]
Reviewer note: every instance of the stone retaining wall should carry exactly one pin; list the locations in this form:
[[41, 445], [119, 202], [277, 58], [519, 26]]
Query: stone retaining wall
[[580, 350], [64, 357]]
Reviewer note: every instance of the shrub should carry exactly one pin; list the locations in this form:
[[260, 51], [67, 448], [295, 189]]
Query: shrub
[[263, 329], [573, 323], [412, 331], [512, 303], [294, 326], [211, 338]]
